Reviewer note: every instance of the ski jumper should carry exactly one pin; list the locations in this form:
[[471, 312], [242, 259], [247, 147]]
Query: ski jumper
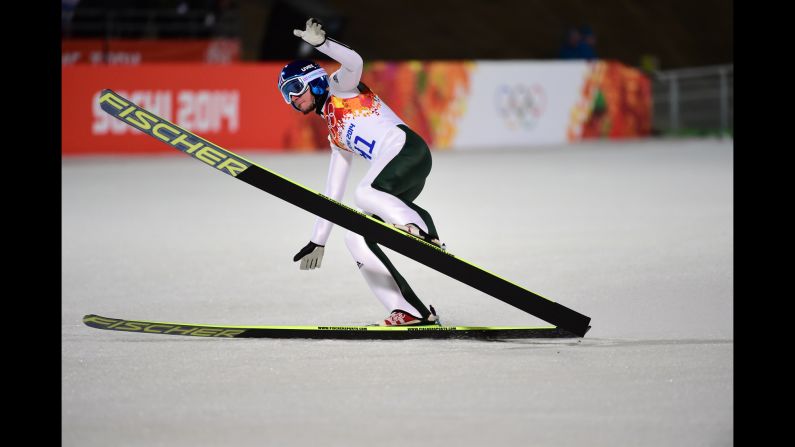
[[360, 123]]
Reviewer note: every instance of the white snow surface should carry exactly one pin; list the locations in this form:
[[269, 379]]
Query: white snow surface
[[636, 234]]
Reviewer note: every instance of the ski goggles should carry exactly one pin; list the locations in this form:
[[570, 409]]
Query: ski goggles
[[298, 85]]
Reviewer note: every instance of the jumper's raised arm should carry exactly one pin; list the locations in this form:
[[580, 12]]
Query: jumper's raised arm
[[347, 78], [350, 73]]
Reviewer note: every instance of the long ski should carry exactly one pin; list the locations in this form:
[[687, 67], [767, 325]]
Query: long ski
[[325, 332], [343, 215]]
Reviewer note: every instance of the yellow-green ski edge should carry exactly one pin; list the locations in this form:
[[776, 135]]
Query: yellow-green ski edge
[[324, 332]]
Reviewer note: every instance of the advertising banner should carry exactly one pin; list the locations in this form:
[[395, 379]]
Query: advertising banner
[[519, 103], [451, 104], [234, 106], [534, 103]]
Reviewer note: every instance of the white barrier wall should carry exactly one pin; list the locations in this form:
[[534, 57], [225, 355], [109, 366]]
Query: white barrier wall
[[520, 103]]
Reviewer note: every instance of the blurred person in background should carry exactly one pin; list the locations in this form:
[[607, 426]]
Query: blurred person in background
[[578, 43], [571, 44], [587, 47], [67, 14], [360, 123]]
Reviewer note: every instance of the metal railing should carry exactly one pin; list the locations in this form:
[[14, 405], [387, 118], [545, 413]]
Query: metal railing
[[699, 100]]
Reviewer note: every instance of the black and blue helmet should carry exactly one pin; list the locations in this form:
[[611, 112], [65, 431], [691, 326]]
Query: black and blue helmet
[[300, 75]]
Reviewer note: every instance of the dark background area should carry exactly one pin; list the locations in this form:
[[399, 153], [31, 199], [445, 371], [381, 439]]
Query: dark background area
[[674, 33]]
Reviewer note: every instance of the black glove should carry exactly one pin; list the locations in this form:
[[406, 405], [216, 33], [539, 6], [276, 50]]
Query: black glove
[[310, 256]]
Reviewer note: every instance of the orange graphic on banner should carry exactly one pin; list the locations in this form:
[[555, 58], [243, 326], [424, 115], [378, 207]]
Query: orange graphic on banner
[[615, 102], [428, 95]]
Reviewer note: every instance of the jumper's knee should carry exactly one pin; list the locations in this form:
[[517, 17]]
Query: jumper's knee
[[354, 242]]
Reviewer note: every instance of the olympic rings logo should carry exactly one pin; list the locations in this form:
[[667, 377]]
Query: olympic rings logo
[[331, 119], [521, 106]]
